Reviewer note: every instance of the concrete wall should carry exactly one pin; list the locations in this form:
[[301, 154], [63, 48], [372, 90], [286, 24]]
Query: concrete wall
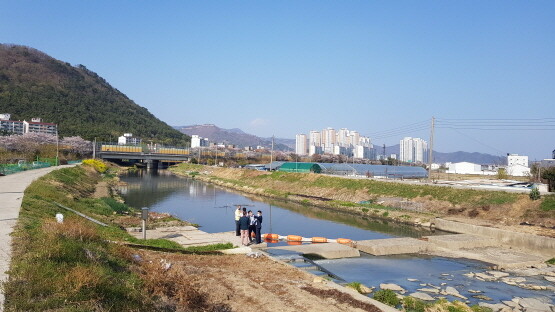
[[540, 244]]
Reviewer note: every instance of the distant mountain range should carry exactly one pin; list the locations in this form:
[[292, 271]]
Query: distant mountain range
[[236, 136], [440, 158], [240, 138]]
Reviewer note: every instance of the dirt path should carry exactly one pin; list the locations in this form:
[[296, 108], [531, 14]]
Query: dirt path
[[102, 190], [240, 283]]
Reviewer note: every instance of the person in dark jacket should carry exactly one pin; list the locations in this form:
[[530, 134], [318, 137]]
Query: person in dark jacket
[[244, 227], [258, 227]]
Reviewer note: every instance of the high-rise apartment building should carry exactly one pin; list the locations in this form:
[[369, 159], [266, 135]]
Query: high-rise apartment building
[[315, 138], [301, 147], [328, 138], [340, 142], [413, 150]]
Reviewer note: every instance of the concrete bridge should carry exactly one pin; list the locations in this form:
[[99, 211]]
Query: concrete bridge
[[149, 155]]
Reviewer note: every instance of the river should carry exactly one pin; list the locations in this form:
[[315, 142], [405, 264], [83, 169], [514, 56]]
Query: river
[[212, 208]]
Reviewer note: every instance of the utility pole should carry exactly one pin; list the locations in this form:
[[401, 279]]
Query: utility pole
[[57, 148], [431, 148], [94, 148], [272, 157], [384, 152]]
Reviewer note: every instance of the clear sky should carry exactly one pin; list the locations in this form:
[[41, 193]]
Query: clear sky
[[287, 67]]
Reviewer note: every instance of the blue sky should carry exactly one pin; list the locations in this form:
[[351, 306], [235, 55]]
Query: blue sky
[[286, 67]]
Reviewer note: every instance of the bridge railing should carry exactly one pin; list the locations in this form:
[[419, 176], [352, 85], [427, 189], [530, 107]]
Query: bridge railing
[[142, 148]]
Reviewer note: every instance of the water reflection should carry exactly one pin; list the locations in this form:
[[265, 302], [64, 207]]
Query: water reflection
[[213, 208]]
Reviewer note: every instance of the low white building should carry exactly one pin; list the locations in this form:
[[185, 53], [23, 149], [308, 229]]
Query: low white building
[[197, 141], [517, 165], [464, 168], [518, 170], [128, 139]]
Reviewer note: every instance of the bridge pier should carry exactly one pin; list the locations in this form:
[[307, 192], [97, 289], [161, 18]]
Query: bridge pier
[[152, 164]]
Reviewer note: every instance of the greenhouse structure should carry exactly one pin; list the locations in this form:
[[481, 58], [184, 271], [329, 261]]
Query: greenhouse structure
[[300, 167]]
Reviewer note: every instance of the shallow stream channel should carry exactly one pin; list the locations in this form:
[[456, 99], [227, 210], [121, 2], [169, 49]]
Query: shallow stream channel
[[212, 208]]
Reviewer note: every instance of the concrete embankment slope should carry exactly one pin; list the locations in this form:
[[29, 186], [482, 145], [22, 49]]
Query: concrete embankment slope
[[539, 244], [11, 196]]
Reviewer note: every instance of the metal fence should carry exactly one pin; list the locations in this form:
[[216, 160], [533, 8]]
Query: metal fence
[[6, 169]]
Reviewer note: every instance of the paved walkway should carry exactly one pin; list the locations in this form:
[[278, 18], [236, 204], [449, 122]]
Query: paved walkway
[[189, 236], [11, 195]]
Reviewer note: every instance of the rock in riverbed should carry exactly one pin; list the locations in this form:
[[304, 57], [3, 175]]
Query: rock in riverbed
[[495, 307], [534, 304], [393, 287], [430, 290], [422, 296], [482, 297], [453, 292]]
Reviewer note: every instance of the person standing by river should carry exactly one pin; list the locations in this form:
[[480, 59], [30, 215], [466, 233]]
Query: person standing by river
[[252, 225], [244, 227], [258, 227], [238, 214]]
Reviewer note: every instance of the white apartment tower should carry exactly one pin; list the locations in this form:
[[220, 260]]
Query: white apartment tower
[[301, 147], [413, 150], [315, 138], [328, 138]]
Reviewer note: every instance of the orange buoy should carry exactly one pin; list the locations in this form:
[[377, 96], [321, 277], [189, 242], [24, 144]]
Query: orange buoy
[[319, 240], [271, 236], [294, 238], [294, 243], [253, 234], [344, 241], [271, 241]]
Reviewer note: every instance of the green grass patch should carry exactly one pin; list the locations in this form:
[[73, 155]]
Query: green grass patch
[[71, 266], [550, 261], [213, 247], [548, 203]]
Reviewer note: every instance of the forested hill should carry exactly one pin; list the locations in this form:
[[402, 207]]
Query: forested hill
[[33, 84]]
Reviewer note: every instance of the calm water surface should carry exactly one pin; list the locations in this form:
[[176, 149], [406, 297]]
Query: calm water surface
[[212, 208]]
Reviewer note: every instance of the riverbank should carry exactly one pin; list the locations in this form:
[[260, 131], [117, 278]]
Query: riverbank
[[398, 202], [81, 265], [11, 195]]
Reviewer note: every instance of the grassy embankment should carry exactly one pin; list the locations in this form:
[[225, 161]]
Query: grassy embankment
[[75, 265], [379, 198]]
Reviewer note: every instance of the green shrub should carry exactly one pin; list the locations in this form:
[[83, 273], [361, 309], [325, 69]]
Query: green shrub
[[550, 261], [535, 193], [385, 214], [355, 286], [411, 304], [387, 296], [502, 174], [365, 209]]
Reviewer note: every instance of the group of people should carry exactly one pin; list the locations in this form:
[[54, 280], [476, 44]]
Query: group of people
[[246, 223]]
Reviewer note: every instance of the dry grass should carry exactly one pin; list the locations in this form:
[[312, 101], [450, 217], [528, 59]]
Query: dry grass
[[236, 282], [73, 228]]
